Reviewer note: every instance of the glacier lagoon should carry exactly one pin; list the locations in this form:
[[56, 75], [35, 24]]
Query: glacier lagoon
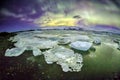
[[100, 61]]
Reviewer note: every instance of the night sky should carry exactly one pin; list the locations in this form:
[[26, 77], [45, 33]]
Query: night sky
[[17, 15]]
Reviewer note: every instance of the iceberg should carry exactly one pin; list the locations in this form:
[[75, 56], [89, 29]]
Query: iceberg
[[65, 57], [29, 41], [81, 45], [97, 41], [14, 52], [38, 43]]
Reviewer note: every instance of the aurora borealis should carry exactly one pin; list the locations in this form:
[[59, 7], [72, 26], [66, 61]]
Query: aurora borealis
[[34, 14]]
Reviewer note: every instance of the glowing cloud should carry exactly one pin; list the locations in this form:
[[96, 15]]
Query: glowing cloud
[[63, 14]]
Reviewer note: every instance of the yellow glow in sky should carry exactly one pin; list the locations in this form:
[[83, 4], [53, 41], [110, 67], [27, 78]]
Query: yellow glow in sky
[[89, 15]]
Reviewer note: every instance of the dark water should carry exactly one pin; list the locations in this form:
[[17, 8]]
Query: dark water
[[100, 63]]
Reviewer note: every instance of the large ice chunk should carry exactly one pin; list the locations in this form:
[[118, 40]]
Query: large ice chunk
[[81, 45], [14, 52], [38, 43], [64, 57], [58, 52]]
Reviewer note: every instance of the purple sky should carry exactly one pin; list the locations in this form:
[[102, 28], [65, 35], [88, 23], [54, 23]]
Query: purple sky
[[12, 25]]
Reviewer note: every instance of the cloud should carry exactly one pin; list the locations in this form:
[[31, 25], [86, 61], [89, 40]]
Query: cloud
[[33, 12], [6, 12], [90, 12]]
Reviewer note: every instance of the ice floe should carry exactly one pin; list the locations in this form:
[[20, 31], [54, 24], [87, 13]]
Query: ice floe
[[14, 52], [97, 41], [81, 45], [65, 57]]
